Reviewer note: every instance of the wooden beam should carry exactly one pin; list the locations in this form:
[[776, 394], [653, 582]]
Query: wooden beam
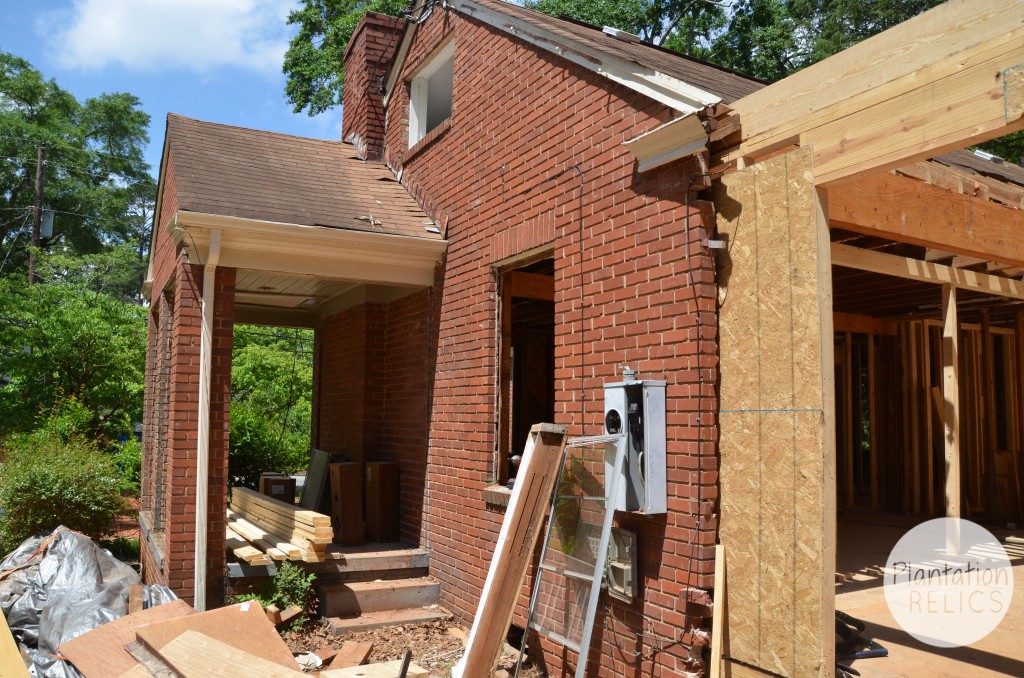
[[718, 614], [940, 81], [913, 211], [915, 269], [951, 399], [962, 181], [862, 324]]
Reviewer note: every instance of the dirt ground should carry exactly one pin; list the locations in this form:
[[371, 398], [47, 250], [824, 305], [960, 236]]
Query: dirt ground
[[433, 646]]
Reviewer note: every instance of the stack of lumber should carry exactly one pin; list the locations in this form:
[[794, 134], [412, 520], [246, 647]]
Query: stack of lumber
[[276, 530], [174, 641]]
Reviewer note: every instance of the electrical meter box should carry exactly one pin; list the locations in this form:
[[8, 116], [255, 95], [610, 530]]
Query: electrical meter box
[[637, 409]]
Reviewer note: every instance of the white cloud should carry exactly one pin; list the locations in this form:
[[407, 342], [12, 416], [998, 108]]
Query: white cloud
[[194, 35]]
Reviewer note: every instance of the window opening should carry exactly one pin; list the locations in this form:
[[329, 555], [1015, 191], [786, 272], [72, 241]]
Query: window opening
[[430, 94], [527, 374]]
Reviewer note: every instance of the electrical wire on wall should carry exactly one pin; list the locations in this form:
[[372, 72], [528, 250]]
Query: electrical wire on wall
[[579, 230]]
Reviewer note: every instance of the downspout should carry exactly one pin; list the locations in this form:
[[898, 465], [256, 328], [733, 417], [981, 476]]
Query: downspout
[[203, 448]]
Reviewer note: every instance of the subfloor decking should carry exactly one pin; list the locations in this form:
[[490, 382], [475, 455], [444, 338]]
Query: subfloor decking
[[865, 540]]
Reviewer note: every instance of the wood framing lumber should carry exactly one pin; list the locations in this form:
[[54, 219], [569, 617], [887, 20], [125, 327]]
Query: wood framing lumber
[[243, 551], [718, 614], [512, 552], [194, 655], [262, 538], [11, 663], [951, 399], [909, 210], [961, 181], [916, 269], [288, 514], [940, 81]]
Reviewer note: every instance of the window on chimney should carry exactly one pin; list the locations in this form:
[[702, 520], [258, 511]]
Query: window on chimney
[[430, 94]]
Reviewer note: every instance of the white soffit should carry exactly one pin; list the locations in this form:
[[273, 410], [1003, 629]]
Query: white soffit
[[669, 142]]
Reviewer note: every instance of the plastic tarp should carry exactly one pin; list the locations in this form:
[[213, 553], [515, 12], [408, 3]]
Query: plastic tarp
[[57, 586]]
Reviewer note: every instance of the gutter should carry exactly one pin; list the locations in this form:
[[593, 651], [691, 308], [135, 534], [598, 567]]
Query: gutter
[[203, 447]]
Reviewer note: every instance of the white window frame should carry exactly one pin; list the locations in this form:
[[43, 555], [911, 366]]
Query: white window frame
[[418, 92]]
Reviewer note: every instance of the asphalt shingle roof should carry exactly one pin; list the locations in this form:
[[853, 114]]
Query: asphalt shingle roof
[[721, 82], [252, 174]]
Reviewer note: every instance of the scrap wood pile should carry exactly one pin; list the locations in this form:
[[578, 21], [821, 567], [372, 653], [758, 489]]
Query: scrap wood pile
[[262, 529], [175, 640]]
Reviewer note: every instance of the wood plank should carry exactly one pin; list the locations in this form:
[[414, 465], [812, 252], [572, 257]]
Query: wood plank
[[913, 211], [195, 655], [530, 286], [242, 550], [848, 422], [520, 528], [352, 653], [915, 269], [100, 653], [962, 181], [149, 663], [951, 399], [310, 520], [382, 501], [874, 456], [718, 614], [382, 670], [909, 93], [347, 504], [245, 627], [11, 663]]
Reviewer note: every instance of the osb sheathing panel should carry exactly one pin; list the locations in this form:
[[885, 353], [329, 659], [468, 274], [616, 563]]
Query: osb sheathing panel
[[777, 455]]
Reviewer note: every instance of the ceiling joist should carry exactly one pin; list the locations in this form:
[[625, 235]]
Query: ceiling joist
[[924, 271]]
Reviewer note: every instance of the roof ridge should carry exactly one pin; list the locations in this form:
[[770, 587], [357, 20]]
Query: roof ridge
[[263, 132]]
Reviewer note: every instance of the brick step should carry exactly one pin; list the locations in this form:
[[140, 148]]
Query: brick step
[[354, 598], [327, 578], [350, 564], [376, 620]]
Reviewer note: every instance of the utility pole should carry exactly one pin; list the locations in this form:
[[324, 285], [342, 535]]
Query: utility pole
[[37, 215]]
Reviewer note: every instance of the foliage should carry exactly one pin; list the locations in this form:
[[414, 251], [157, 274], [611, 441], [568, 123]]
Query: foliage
[[292, 586], [96, 179], [70, 339], [315, 60], [128, 460], [50, 479], [271, 403]]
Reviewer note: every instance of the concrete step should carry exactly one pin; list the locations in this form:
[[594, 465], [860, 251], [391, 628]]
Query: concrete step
[[376, 620], [354, 598], [351, 564]]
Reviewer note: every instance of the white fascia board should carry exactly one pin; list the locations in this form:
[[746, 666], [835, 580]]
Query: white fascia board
[[675, 139], [658, 86], [360, 256]]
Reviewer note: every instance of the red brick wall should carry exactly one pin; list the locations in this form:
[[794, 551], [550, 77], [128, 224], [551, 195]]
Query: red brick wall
[[371, 391], [367, 58], [500, 175]]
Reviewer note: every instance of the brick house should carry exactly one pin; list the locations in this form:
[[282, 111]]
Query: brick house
[[521, 207]]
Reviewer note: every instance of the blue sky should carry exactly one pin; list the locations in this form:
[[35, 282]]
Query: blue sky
[[216, 60]]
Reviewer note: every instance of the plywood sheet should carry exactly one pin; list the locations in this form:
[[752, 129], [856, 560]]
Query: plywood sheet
[[775, 320], [347, 504], [244, 626], [100, 653], [194, 655], [383, 670], [11, 663]]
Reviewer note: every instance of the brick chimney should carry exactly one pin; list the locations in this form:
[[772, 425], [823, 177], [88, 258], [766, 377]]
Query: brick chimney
[[367, 59]]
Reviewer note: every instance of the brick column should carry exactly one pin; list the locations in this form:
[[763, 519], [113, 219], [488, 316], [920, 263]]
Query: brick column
[[179, 532]]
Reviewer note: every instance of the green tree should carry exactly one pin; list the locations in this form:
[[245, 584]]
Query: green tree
[[315, 61], [96, 177], [271, 402], [71, 336]]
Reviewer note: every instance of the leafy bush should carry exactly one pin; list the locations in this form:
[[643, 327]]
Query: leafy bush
[[128, 459], [292, 586], [49, 480], [258, 445]]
